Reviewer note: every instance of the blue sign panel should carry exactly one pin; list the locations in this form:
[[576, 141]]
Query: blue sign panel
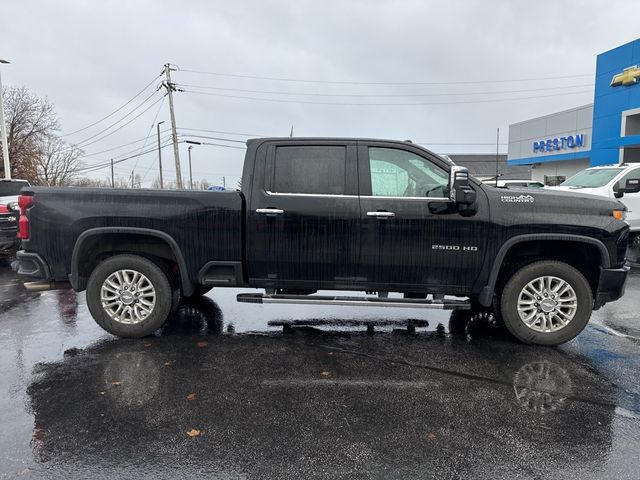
[[561, 143]]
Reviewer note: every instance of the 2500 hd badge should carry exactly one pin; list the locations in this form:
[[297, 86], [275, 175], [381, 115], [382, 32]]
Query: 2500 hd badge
[[464, 248]]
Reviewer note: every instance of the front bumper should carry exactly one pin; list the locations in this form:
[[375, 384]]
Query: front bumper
[[611, 285]]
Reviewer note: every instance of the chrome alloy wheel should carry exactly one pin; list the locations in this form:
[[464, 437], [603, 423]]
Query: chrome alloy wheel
[[547, 304], [127, 296]]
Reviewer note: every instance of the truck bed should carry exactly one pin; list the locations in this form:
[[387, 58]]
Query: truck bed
[[206, 226]]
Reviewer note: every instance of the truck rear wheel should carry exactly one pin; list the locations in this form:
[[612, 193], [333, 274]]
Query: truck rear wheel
[[546, 303], [129, 296]]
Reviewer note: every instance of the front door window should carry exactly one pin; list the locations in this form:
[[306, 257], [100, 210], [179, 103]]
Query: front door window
[[398, 173]]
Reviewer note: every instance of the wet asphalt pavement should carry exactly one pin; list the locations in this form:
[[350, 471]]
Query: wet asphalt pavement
[[220, 394]]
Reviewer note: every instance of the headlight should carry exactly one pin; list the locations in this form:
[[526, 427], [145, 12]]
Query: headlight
[[13, 206]]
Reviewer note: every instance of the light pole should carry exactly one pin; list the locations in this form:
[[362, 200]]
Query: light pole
[[190, 147], [160, 156], [190, 174], [3, 128]]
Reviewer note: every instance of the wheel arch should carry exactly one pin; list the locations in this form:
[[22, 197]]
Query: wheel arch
[[486, 295], [162, 246]]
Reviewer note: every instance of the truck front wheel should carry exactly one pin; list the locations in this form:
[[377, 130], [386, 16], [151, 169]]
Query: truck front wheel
[[546, 303], [129, 296]]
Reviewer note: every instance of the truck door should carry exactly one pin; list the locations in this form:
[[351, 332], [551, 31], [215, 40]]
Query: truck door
[[303, 221], [413, 238]]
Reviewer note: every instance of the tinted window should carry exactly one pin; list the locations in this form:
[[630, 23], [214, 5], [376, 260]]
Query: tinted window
[[309, 170], [397, 173], [8, 189]]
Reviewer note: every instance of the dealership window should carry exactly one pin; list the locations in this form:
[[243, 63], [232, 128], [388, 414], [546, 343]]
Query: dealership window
[[554, 180], [398, 173], [309, 169], [631, 127]]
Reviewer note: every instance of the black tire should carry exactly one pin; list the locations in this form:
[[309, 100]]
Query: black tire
[[165, 296], [199, 291], [561, 270]]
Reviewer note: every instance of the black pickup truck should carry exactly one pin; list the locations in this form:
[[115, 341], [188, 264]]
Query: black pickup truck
[[315, 214]]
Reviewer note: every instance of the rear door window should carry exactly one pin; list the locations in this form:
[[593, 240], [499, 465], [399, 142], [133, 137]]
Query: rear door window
[[309, 170]]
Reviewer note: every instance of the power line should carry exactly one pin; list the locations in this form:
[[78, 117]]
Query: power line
[[225, 133], [150, 130], [386, 95], [191, 135], [83, 143], [92, 168], [121, 126], [120, 146], [308, 102], [344, 82], [115, 111]]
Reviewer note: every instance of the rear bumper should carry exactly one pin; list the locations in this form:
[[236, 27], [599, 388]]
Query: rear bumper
[[32, 266], [611, 285]]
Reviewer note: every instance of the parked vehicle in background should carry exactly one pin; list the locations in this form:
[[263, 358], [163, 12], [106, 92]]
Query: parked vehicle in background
[[612, 181], [516, 183], [333, 214], [9, 192]]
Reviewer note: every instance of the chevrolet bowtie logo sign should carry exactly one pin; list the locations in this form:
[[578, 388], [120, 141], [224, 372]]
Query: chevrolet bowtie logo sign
[[629, 76]]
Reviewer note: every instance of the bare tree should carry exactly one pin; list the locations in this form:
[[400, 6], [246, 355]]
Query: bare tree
[[57, 163], [31, 121], [100, 183]]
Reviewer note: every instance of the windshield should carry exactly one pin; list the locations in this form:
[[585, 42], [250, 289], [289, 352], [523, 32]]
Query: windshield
[[591, 178], [9, 189]]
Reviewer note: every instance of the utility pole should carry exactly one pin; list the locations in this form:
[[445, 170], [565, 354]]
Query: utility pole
[[190, 173], [3, 131], [160, 156], [224, 182], [170, 86], [132, 177], [113, 182]]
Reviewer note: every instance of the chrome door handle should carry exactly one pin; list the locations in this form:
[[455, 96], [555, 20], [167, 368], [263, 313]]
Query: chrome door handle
[[381, 214], [270, 211]]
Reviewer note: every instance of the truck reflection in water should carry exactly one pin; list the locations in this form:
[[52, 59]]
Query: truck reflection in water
[[317, 405]]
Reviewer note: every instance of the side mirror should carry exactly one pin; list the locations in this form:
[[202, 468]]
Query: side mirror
[[459, 190], [617, 191]]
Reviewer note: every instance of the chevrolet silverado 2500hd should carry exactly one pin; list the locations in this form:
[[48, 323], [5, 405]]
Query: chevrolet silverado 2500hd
[[333, 214]]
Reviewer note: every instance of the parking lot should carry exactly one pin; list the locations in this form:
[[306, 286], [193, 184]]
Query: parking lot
[[220, 394]]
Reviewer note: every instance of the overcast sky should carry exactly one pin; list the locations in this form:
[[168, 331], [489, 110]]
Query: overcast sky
[[89, 58]]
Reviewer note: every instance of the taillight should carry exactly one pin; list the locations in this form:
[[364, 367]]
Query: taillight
[[4, 209], [24, 202]]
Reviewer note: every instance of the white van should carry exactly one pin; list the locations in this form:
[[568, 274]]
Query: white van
[[614, 181]]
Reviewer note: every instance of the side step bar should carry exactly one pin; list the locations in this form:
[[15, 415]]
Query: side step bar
[[353, 301]]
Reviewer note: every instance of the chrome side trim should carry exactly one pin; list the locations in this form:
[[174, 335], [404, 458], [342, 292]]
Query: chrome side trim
[[430, 199], [276, 194]]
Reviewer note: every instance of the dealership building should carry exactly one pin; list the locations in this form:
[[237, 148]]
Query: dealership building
[[605, 132]]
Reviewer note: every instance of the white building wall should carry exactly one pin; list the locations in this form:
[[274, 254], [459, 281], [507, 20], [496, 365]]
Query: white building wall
[[575, 121]]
